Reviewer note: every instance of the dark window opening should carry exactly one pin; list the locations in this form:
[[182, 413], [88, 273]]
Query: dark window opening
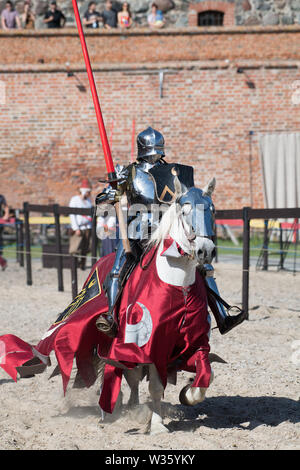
[[210, 18]]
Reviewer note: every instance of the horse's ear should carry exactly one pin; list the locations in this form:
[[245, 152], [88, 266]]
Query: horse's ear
[[177, 186], [210, 187]]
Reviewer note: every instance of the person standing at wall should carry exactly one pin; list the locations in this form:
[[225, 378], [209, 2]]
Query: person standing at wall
[[109, 16], [124, 16], [4, 214], [155, 18], [92, 18], [81, 225], [28, 17], [54, 18], [10, 17]]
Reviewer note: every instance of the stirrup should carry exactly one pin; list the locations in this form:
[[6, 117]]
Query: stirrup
[[107, 325], [231, 322]]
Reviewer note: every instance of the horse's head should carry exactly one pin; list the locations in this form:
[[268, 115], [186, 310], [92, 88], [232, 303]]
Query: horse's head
[[196, 212], [189, 222]]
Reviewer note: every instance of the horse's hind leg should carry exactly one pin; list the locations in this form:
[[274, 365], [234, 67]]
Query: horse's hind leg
[[156, 389], [133, 377]]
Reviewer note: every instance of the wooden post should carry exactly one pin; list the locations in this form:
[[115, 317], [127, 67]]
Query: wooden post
[[246, 260], [281, 261], [27, 244], [94, 236], [17, 227], [21, 248], [295, 245], [59, 260], [74, 276], [266, 247]]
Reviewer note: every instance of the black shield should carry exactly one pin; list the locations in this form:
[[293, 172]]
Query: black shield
[[164, 176]]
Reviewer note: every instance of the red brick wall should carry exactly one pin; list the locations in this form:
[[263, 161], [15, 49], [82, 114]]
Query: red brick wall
[[55, 48], [49, 134]]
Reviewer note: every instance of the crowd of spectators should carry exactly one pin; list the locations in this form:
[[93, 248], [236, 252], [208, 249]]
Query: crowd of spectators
[[109, 18]]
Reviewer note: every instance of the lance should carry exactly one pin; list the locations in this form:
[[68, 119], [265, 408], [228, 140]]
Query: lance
[[105, 145]]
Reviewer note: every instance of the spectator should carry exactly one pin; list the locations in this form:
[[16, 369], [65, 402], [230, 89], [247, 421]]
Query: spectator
[[107, 229], [54, 18], [28, 17], [155, 18], [92, 18], [109, 16], [124, 16], [4, 215], [10, 17], [81, 225]]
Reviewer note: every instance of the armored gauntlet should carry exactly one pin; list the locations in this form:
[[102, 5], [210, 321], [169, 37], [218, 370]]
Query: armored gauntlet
[[112, 195]]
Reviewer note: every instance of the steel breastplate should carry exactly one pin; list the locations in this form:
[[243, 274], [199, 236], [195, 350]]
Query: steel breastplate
[[141, 188]]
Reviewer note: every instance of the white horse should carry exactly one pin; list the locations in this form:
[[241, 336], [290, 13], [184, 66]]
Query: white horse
[[182, 242], [191, 247]]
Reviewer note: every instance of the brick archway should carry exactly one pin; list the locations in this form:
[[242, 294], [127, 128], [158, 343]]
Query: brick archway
[[224, 7]]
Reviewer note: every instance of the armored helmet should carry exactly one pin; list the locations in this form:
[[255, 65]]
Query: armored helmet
[[150, 144]]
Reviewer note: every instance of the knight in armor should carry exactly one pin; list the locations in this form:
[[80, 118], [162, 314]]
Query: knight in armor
[[137, 182]]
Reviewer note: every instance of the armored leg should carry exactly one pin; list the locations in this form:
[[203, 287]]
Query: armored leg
[[106, 322], [121, 269], [111, 283]]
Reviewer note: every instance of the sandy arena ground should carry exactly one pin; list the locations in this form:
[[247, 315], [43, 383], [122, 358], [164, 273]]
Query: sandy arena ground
[[252, 404]]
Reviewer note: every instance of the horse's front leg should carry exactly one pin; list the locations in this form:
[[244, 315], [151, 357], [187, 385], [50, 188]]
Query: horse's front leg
[[156, 390]]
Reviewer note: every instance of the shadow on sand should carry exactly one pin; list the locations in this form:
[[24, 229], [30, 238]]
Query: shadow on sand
[[241, 412], [6, 381], [215, 412]]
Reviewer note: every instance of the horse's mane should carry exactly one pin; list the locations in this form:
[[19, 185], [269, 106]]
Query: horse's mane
[[169, 217]]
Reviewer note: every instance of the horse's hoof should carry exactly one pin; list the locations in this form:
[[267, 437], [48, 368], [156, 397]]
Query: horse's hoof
[[158, 428], [191, 396], [182, 396], [155, 425]]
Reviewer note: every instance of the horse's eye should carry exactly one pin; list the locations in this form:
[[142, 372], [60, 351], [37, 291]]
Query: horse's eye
[[186, 209]]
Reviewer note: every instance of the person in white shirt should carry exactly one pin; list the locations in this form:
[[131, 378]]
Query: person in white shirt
[[81, 225], [108, 232]]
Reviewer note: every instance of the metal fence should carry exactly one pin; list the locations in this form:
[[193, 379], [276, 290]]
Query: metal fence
[[23, 239], [246, 215]]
